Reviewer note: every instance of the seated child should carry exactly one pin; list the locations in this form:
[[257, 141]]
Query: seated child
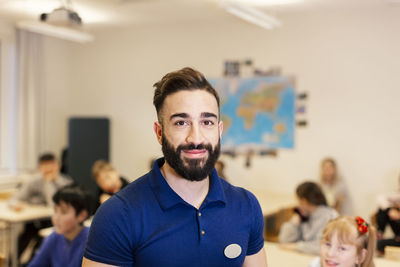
[[388, 214], [65, 246], [303, 231], [38, 191], [347, 242], [108, 180]]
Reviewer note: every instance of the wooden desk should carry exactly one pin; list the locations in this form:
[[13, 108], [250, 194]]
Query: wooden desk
[[14, 219], [271, 202], [280, 257]]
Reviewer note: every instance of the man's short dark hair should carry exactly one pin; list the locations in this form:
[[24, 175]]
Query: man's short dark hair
[[46, 157], [183, 79], [75, 196], [312, 193]]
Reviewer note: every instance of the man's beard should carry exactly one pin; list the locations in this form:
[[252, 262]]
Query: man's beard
[[190, 169]]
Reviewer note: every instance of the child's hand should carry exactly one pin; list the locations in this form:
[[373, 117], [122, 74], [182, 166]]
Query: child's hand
[[104, 197], [296, 220], [394, 214]]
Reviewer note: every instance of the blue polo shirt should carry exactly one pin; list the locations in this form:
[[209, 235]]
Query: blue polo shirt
[[148, 224]]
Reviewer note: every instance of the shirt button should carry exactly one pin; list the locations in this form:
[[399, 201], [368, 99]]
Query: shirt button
[[203, 232], [199, 214]]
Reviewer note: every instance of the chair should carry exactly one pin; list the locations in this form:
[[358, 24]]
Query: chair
[[4, 241], [273, 223], [2, 260]]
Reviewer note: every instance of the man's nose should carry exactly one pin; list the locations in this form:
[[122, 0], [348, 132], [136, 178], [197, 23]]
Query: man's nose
[[195, 135]]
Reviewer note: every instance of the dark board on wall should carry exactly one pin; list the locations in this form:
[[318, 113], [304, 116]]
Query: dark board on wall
[[88, 141]]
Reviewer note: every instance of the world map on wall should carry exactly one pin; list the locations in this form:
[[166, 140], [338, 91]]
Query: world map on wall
[[258, 113]]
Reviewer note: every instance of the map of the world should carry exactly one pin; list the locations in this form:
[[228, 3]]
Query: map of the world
[[258, 113]]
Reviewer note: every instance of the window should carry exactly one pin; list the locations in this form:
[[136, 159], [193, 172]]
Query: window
[[8, 148]]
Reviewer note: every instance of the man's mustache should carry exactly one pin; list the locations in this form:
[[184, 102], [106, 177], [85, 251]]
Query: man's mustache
[[193, 147]]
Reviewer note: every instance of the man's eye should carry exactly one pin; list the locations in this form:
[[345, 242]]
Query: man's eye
[[181, 123], [208, 123]]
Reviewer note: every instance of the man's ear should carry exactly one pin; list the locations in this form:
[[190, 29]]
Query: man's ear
[[221, 128], [83, 215], [158, 131]]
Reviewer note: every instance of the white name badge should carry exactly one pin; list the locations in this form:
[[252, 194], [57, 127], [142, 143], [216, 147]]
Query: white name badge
[[232, 251]]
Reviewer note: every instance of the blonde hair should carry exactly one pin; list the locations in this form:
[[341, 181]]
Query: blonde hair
[[100, 166], [346, 229], [335, 177]]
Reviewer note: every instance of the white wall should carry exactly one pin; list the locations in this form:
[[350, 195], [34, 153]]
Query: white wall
[[348, 62]]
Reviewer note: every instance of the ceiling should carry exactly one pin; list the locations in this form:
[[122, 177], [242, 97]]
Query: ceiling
[[106, 13]]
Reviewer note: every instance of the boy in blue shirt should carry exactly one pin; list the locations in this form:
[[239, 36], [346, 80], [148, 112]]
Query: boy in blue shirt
[[65, 246]]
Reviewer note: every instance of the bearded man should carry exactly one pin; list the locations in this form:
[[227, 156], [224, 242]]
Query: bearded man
[[180, 213]]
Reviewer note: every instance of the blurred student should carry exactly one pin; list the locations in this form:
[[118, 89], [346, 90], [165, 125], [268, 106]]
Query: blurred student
[[108, 180], [303, 231], [65, 246], [347, 242], [388, 214], [38, 190], [333, 187]]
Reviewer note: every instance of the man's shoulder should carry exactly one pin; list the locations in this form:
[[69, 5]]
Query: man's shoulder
[[132, 194], [238, 194], [139, 186]]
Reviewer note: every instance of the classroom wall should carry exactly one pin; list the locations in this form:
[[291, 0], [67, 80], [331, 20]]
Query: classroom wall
[[347, 61]]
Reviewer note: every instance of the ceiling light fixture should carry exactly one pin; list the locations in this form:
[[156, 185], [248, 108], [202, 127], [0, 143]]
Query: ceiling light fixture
[[251, 15], [269, 2], [61, 32]]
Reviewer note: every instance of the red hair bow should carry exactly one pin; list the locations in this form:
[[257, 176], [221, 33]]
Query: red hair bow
[[362, 225]]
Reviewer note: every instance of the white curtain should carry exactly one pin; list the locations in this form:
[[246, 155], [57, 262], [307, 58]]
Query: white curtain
[[30, 99]]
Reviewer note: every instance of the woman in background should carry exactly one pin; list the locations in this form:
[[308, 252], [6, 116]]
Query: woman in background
[[333, 188], [347, 242]]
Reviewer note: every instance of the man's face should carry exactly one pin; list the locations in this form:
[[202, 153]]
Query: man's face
[[49, 169], [190, 133]]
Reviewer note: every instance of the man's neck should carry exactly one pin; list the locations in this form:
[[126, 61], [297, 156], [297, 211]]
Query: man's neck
[[193, 192]]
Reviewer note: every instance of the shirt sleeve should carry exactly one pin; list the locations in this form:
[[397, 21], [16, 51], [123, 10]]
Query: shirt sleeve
[[110, 239], [289, 233], [43, 256], [256, 241], [23, 193], [312, 231]]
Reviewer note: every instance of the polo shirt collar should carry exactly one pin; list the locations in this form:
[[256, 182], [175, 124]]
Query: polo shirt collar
[[167, 198]]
